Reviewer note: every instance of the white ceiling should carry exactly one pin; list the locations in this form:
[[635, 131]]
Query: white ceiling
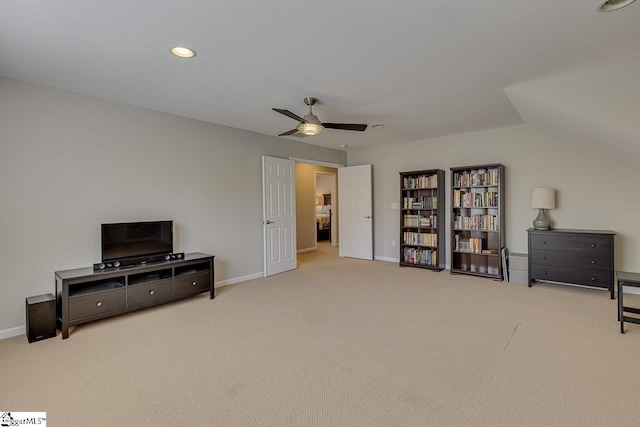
[[422, 68]]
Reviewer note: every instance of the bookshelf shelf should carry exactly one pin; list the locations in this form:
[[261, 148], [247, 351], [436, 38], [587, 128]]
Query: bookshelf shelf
[[471, 229], [477, 220], [422, 206], [474, 253]]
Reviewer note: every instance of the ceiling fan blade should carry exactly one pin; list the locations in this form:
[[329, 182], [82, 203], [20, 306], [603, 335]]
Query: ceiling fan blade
[[345, 126], [290, 132], [289, 114]]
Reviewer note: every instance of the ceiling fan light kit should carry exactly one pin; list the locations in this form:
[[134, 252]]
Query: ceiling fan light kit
[[310, 129], [310, 125]]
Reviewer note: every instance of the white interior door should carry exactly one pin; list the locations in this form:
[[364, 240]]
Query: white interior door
[[355, 219], [279, 215]]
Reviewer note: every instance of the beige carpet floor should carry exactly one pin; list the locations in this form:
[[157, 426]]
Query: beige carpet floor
[[341, 342]]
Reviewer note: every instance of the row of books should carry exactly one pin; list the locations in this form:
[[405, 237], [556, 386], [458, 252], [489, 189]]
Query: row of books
[[419, 239], [420, 256], [476, 222], [470, 244], [425, 202], [476, 178], [420, 220], [422, 181], [487, 199]]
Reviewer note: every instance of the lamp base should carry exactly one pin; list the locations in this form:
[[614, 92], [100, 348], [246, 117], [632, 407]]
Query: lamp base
[[542, 222]]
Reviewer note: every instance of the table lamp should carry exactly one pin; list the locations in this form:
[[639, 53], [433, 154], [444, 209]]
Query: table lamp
[[543, 199]]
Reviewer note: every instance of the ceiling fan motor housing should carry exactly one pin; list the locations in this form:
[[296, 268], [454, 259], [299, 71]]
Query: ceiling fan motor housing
[[309, 100]]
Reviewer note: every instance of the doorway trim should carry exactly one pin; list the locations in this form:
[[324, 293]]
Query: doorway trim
[[317, 162]]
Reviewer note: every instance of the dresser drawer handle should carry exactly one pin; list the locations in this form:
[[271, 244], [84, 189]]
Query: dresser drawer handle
[[544, 257], [593, 279], [99, 304], [544, 273], [593, 245], [194, 283], [152, 292], [593, 262], [544, 243]]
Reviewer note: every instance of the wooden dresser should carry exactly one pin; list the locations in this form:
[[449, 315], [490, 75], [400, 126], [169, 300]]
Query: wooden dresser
[[582, 257]]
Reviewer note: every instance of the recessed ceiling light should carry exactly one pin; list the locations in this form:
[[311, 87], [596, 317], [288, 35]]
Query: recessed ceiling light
[[377, 126], [611, 5], [182, 52]]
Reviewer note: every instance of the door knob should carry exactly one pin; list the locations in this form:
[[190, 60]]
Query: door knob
[[269, 222], [368, 217]]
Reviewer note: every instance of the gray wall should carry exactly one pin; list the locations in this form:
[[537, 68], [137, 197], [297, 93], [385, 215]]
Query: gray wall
[[70, 162], [596, 185]]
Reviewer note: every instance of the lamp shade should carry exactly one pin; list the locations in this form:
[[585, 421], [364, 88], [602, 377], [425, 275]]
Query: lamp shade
[[543, 198], [310, 128]]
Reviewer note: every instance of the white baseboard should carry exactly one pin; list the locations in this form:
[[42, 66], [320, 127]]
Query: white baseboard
[[385, 258], [238, 279], [629, 290], [306, 250], [13, 332]]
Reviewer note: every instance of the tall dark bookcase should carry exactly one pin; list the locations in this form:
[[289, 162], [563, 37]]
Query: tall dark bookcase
[[422, 236], [477, 220]]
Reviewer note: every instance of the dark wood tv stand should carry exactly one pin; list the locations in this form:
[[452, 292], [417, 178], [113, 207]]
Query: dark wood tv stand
[[84, 295]]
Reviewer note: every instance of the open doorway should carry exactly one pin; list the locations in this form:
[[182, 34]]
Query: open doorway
[[316, 196], [325, 213]]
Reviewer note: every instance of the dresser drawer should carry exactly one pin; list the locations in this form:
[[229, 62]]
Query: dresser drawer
[[571, 243], [600, 278], [97, 304], [586, 261], [150, 293], [192, 283]]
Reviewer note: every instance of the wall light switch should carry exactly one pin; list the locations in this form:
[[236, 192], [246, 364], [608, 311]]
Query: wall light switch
[[393, 243], [395, 205]]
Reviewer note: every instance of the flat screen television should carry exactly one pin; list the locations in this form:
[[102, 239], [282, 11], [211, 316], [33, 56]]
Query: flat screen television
[[136, 239]]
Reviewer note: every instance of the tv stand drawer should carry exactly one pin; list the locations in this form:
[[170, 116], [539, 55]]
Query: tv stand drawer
[[192, 283], [97, 304], [150, 293]]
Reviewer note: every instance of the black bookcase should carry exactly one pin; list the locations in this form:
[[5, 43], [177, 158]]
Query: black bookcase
[[477, 220], [422, 212]]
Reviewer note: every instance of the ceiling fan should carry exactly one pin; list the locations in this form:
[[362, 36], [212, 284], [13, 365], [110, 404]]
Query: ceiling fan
[[310, 124]]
